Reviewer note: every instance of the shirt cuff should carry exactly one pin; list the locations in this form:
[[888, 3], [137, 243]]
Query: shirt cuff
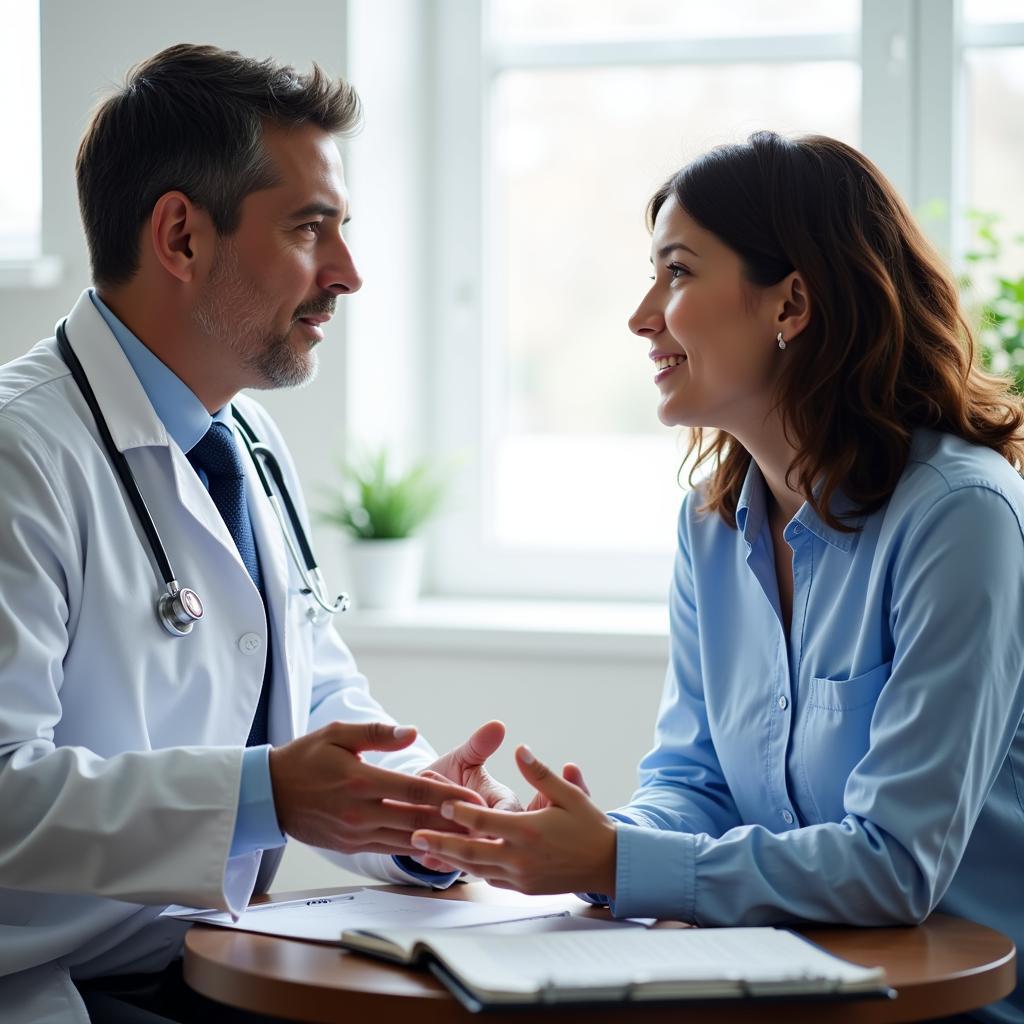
[[437, 879], [256, 826], [654, 874], [600, 899]]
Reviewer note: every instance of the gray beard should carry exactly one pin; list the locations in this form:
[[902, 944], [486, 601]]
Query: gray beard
[[229, 314]]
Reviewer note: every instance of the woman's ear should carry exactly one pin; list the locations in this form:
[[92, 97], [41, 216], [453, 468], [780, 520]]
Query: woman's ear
[[794, 307]]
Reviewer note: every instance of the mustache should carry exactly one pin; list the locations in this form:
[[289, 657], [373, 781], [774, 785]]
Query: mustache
[[324, 304]]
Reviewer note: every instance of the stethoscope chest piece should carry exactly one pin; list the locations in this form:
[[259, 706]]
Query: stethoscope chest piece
[[179, 610]]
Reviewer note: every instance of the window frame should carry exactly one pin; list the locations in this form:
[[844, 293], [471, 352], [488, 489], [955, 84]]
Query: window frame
[[911, 55]]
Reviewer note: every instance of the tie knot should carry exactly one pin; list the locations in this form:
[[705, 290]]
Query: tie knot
[[217, 454]]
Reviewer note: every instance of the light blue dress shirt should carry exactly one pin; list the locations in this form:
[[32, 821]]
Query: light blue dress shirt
[[187, 421], [868, 766]]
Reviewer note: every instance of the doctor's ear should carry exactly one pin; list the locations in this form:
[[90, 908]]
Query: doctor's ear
[[178, 234]]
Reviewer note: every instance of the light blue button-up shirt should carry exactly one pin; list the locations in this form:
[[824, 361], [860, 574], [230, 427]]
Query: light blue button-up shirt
[[867, 767], [187, 420]]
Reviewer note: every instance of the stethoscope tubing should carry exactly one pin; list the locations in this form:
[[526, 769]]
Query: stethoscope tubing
[[117, 458], [175, 609]]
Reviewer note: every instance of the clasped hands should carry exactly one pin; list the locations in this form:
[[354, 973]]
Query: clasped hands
[[453, 815]]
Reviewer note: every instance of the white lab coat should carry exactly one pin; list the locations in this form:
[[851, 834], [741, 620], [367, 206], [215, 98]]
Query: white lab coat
[[120, 745]]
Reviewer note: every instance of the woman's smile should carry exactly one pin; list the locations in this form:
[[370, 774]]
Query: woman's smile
[[665, 363]]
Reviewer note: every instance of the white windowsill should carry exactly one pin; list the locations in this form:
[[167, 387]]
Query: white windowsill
[[491, 626], [39, 272]]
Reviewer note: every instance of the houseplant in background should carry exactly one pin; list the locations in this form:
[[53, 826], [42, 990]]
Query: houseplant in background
[[994, 294], [381, 508]]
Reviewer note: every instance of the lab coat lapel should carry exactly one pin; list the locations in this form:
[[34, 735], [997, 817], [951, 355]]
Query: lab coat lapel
[[286, 721], [131, 418], [130, 415]]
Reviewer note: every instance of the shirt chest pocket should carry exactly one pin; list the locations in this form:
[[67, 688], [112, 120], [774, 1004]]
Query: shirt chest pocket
[[834, 732]]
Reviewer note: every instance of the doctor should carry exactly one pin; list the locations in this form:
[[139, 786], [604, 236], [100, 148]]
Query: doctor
[[140, 766]]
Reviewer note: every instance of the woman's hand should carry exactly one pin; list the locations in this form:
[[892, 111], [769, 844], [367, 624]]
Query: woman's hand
[[566, 845]]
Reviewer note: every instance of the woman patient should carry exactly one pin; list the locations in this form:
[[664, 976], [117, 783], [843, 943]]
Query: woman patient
[[840, 734]]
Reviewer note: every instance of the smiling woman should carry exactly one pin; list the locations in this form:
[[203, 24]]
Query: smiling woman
[[862, 531]]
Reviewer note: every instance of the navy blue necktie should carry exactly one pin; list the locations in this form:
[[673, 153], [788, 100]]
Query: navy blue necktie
[[217, 455]]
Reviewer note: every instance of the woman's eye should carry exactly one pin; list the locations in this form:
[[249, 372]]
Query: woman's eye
[[677, 270]]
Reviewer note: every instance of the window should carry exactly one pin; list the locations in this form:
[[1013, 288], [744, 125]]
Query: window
[[21, 168], [550, 125], [584, 109], [993, 65]]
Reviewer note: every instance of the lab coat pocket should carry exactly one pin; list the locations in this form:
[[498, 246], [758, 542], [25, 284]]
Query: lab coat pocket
[[835, 734]]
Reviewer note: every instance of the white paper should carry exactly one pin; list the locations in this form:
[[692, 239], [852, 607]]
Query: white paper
[[671, 958], [324, 918]]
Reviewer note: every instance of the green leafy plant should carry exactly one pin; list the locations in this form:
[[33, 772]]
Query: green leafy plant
[[375, 502], [995, 299]]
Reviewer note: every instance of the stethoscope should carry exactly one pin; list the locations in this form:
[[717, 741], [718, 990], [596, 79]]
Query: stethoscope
[[181, 607]]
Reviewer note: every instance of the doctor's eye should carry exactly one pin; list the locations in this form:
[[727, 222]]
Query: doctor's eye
[[313, 227]]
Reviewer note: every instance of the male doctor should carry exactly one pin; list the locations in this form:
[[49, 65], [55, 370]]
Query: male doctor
[[139, 768]]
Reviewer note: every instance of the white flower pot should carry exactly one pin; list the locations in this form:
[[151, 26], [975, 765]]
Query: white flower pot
[[384, 573]]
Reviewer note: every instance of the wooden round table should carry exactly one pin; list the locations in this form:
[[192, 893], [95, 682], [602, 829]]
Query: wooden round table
[[945, 966]]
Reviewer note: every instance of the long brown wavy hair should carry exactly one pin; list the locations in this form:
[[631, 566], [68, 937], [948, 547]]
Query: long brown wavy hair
[[887, 349]]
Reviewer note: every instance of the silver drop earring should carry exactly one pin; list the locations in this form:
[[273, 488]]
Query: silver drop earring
[[782, 341]]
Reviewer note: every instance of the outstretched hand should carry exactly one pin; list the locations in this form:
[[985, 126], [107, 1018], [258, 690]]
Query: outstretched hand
[[566, 845], [465, 765], [326, 795]]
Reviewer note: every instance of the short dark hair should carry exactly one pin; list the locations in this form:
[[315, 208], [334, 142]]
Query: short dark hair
[[191, 118]]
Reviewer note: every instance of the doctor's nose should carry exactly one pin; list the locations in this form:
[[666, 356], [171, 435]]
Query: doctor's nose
[[339, 274]]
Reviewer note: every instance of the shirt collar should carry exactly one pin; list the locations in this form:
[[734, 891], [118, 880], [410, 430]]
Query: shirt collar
[[184, 417], [752, 508]]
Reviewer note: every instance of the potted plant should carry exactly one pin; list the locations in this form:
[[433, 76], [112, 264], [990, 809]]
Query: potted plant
[[381, 509], [995, 297]]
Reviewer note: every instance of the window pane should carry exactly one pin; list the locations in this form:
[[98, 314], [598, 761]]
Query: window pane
[[995, 85], [589, 19], [576, 154], [988, 11], [21, 168]]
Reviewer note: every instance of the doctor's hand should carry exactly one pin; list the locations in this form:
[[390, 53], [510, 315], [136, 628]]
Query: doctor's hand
[[327, 796], [568, 845]]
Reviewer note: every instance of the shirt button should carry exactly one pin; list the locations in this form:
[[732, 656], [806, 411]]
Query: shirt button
[[797, 530], [787, 817], [250, 643], [783, 703]]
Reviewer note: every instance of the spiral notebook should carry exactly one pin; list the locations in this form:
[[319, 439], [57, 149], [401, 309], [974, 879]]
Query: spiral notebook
[[555, 962]]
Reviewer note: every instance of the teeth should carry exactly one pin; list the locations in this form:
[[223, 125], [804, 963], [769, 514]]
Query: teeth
[[666, 361]]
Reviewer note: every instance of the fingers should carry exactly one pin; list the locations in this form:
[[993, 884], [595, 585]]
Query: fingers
[[463, 852], [487, 821], [558, 791], [371, 814], [484, 742], [380, 783], [433, 864], [370, 735], [501, 798], [572, 773]]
